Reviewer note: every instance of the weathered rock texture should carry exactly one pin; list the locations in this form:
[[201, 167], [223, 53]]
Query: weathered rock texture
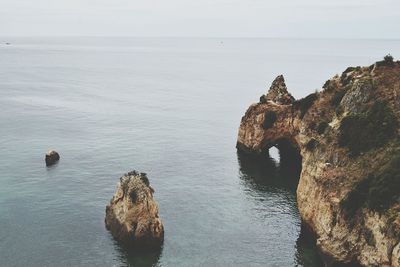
[[348, 137], [278, 92], [132, 215], [51, 157]]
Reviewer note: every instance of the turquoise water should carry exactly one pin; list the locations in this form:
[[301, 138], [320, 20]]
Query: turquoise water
[[167, 107]]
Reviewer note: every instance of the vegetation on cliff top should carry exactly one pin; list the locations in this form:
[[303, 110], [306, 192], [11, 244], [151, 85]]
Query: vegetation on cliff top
[[345, 78], [263, 99], [337, 97], [362, 132], [305, 103], [378, 191], [387, 61]]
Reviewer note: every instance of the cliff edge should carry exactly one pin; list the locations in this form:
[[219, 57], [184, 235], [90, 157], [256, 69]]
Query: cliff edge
[[348, 138]]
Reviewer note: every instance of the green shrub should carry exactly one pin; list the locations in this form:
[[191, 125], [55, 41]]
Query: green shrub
[[369, 237], [133, 196], [131, 173], [311, 144], [337, 97], [356, 198], [349, 69], [145, 180], [339, 110], [387, 61], [377, 192], [345, 79], [312, 125], [305, 103], [269, 119], [326, 84], [385, 186], [329, 86], [322, 127], [362, 132], [263, 99]]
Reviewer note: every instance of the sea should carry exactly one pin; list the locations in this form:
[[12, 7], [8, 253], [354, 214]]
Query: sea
[[169, 107]]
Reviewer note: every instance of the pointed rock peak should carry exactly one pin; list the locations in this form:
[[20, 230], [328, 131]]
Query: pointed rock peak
[[279, 82], [278, 92]]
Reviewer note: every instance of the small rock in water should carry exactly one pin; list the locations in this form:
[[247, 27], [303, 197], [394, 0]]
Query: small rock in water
[[52, 157]]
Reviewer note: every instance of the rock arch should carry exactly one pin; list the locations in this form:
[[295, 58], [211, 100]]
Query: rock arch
[[329, 171], [274, 121]]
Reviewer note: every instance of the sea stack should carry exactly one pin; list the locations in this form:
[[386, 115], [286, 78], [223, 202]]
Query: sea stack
[[348, 137], [132, 215], [52, 157]]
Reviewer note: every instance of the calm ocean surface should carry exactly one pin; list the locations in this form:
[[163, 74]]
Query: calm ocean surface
[[169, 107]]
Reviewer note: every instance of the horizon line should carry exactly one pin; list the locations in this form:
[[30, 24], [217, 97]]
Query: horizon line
[[201, 37]]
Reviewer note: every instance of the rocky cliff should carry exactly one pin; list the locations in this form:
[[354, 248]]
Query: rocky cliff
[[348, 138], [132, 215]]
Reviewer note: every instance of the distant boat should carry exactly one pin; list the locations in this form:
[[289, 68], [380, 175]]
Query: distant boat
[[8, 43]]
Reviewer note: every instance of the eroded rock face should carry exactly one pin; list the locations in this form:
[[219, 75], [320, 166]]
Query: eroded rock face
[[358, 94], [278, 92], [351, 201], [51, 158], [132, 215]]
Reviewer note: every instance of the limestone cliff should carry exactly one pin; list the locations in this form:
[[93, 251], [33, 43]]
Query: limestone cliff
[[132, 215], [348, 137]]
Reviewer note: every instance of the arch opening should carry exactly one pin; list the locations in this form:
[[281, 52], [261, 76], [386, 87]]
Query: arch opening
[[286, 154], [280, 159], [290, 158], [273, 153]]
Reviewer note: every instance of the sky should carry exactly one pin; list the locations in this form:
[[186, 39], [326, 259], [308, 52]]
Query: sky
[[202, 18]]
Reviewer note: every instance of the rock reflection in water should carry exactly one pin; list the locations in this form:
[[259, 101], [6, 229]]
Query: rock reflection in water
[[131, 257], [306, 249], [267, 176], [264, 173]]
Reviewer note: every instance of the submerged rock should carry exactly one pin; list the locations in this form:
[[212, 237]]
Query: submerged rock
[[349, 187], [52, 157], [132, 215]]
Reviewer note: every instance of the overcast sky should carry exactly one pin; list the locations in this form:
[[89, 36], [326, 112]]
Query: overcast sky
[[210, 18]]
